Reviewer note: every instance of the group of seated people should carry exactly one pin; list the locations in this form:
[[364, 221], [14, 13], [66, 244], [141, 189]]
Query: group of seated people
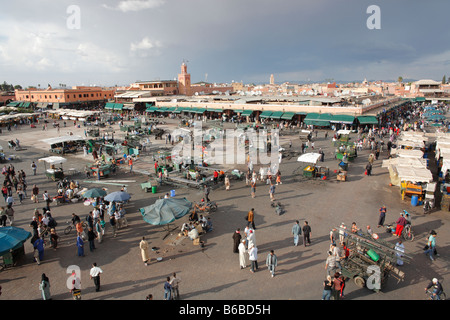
[[66, 190], [196, 226]]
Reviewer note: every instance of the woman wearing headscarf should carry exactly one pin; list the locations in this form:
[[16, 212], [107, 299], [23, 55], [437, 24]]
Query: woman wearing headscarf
[[44, 286]]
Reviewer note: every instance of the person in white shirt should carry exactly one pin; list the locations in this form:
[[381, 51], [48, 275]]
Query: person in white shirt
[[95, 274], [174, 282], [253, 257]]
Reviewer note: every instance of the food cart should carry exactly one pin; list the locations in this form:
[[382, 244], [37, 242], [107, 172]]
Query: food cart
[[371, 260], [53, 172], [313, 170], [64, 144]]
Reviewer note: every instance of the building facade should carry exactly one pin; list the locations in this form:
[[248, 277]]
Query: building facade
[[65, 96]]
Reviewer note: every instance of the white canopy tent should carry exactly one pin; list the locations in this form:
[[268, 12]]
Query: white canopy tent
[[309, 158], [413, 162], [53, 160], [63, 139], [412, 174], [407, 153]]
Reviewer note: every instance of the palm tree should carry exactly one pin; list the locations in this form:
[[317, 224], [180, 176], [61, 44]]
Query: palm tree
[[400, 79]]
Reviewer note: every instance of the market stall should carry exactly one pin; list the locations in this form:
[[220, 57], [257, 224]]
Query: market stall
[[12, 241], [312, 170], [64, 144], [53, 172]]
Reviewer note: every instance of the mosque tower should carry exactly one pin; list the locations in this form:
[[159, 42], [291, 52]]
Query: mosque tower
[[184, 81], [272, 80]]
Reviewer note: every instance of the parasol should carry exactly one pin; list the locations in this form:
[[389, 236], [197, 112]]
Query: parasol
[[94, 193], [165, 211], [118, 196], [12, 238]]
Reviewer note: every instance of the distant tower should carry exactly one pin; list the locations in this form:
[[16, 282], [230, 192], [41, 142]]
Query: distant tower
[[272, 80], [184, 81]]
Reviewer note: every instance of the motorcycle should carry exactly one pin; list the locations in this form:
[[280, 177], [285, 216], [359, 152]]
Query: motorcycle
[[207, 207]]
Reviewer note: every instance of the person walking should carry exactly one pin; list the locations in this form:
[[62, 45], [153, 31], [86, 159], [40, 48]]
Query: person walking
[[44, 286], [167, 290], [35, 194], [143, 245], [430, 248], [39, 247], [236, 240], [327, 288], [297, 232], [400, 250], [253, 188], [175, 282], [251, 218], [330, 264], [33, 168], [336, 288], [3, 217], [271, 262], [54, 238], [227, 183], [91, 237], [76, 286], [243, 254], [206, 191], [306, 233], [80, 245], [382, 216], [99, 229], [94, 274], [272, 192], [369, 169], [253, 257]]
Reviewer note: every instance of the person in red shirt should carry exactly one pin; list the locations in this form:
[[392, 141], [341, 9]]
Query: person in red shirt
[[130, 163], [401, 222], [216, 176]]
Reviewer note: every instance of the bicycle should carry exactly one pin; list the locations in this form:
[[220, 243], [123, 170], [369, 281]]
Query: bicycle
[[407, 233], [69, 228], [430, 295]]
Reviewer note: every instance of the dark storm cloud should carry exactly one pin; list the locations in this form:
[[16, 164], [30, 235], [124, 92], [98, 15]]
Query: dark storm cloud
[[123, 41]]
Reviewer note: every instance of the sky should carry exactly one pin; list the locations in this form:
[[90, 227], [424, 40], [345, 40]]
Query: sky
[[118, 42]]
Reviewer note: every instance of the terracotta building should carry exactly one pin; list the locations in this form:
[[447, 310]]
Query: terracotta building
[[76, 95]]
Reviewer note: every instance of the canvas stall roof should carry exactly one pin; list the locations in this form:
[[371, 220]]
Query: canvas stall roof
[[344, 131], [413, 162], [309, 157], [53, 160], [445, 166], [412, 135], [413, 174], [63, 139], [411, 143], [407, 153], [443, 152]]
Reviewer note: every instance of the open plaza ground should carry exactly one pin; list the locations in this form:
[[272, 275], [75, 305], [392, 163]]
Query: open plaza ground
[[212, 272]]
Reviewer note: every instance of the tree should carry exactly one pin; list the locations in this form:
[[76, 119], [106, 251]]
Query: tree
[[18, 87], [400, 79], [444, 80]]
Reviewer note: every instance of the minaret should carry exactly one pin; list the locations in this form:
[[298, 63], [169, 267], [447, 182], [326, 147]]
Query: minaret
[[272, 80], [184, 81]]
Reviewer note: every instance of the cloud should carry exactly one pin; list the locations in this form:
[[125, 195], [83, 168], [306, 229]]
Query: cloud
[[136, 5], [145, 47]]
